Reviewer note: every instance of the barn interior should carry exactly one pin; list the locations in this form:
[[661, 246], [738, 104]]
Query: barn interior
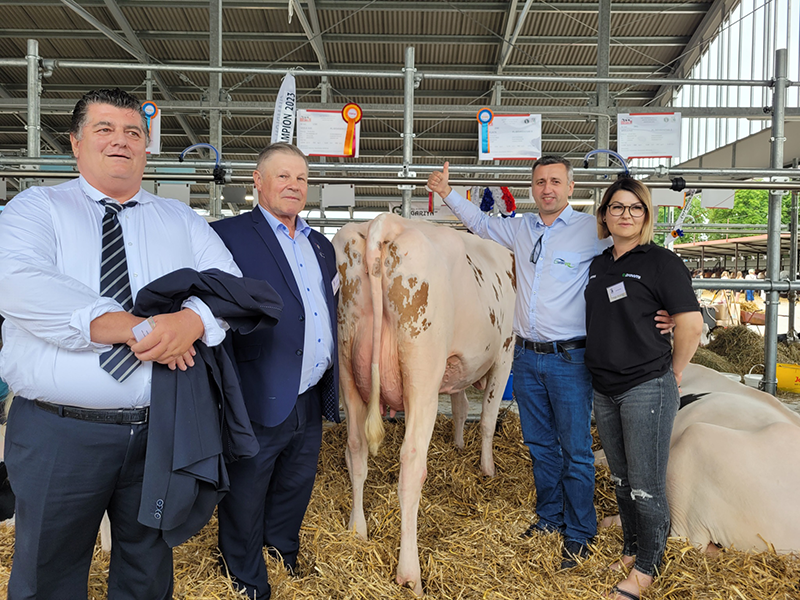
[[420, 70]]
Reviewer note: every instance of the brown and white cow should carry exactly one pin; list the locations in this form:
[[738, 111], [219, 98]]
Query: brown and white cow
[[733, 477], [424, 310]]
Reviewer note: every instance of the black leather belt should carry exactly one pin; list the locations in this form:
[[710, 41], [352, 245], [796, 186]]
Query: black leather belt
[[118, 416], [551, 347]]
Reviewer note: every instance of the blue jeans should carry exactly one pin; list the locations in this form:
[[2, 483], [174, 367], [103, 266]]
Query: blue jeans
[[554, 393], [635, 428]]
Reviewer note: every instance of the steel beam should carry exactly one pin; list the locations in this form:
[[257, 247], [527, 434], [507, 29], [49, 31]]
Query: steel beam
[[382, 111], [214, 93], [34, 114], [348, 38], [393, 6], [130, 35]]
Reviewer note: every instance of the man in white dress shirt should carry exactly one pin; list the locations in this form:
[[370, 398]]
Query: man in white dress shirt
[[76, 436]]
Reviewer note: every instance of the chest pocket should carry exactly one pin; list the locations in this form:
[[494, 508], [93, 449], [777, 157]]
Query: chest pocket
[[564, 266]]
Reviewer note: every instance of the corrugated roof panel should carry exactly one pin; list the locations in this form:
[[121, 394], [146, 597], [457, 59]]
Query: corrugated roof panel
[[409, 22]]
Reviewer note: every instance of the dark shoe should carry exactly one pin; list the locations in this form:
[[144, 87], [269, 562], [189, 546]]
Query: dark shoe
[[536, 529], [573, 553]]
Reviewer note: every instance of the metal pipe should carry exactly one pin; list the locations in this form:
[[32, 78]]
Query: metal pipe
[[738, 285], [770, 381], [380, 181], [377, 181], [214, 91], [378, 111], [119, 66], [663, 173], [408, 128], [34, 95], [603, 121], [792, 334]]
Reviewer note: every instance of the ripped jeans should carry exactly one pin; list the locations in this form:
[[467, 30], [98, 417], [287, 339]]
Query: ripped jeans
[[635, 428]]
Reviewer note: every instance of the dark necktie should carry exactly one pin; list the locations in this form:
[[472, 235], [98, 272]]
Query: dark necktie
[[115, 283]]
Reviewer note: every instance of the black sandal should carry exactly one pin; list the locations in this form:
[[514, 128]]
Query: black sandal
[[629, 595]]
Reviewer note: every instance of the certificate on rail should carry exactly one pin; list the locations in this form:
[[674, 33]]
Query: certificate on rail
[[649, 135], [324, 133], [508, 137]]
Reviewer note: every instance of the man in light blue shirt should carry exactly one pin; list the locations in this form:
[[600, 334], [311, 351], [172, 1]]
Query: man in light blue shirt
[[553, 251]]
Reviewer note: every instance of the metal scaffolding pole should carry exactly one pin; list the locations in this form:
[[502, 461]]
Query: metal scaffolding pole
[[791, 335], [770, 381], [603, 123], [408, 129], [214, 91], [34, 96]]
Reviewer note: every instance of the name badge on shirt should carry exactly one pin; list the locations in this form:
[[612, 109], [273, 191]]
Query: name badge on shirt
[[336, 283], [617, 292]]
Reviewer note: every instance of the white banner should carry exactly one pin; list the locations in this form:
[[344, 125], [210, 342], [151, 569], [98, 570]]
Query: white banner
[[154, 147], [649, 135], [323, 133], [510, 137], [716, 198], [285, 109]]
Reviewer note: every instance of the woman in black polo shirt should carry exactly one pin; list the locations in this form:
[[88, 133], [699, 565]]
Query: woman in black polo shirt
[[635, 371]]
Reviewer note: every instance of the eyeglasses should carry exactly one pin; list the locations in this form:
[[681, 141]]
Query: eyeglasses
[[537, 250], [635, 210]]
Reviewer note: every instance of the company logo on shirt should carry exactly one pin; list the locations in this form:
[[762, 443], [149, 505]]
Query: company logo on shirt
[[633, 275], [561, 261]]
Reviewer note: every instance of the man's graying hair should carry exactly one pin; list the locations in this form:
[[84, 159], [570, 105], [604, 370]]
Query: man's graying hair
[[282, 148], [114, 97], [554, 160]]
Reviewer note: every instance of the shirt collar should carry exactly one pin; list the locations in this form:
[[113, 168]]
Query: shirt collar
[[564, 216], [96, 195], [641, 248], [300, 226]]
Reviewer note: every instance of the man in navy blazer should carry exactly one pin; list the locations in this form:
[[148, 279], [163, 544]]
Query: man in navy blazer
[[289, 373]]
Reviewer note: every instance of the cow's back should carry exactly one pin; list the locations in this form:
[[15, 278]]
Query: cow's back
[[733, 478], [447, 299]]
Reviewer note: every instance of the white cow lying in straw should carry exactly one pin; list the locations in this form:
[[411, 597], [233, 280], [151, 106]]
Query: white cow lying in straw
[[733, 477]]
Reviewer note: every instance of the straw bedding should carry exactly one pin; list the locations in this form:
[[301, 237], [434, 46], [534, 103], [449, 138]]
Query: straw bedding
[[468, 538]]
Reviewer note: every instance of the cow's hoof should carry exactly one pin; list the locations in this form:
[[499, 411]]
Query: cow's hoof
[[415, 585]]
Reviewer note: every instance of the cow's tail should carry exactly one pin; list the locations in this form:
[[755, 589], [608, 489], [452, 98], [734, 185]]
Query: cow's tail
[[374, 424]]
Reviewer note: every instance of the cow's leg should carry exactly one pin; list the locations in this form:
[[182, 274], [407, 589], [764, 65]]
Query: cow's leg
[[356, 454], [420, 419], [491, 406], [459, 406]]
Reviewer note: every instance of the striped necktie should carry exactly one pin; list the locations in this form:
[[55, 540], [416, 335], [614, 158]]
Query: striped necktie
[[115, 283]]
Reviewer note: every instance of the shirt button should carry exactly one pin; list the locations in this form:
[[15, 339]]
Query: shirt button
[[299, 353], [308, 289], [135, 274], [315, 314], [130, 243]]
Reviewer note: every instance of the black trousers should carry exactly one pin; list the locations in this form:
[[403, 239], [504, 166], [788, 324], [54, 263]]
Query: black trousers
[[269, 494], [65, 474]]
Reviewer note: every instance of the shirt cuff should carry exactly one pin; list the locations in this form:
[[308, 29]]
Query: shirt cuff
[[213, 328], [453, 197], [81, 322]]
